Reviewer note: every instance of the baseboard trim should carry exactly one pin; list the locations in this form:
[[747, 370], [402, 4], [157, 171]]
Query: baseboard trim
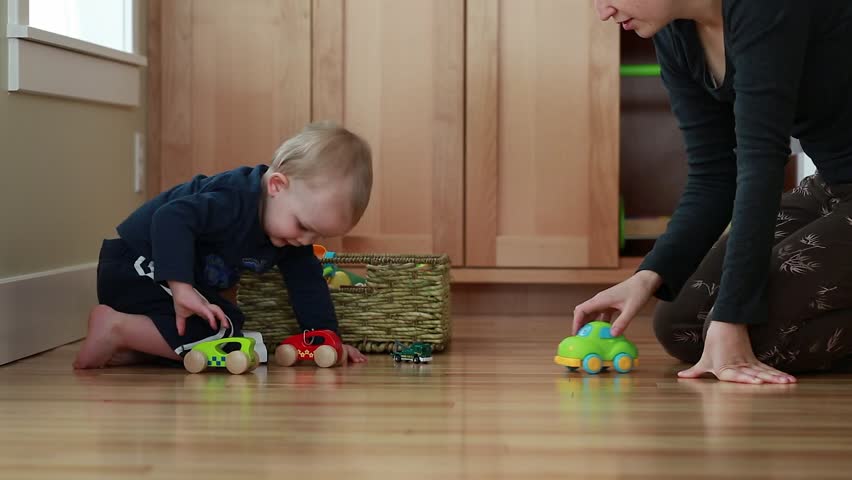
[[44, 310]]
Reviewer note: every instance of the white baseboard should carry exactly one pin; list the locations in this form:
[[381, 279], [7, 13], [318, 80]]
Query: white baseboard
[[45, 310]]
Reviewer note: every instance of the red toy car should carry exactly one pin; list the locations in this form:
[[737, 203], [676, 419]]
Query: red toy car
[[322, 346]]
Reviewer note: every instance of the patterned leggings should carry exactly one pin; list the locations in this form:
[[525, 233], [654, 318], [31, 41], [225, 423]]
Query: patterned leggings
[[809, 290]]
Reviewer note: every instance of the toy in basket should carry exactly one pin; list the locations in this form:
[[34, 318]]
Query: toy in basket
[[404, 297], [237, 354], [322, 347], [335, 276], [594, 349]]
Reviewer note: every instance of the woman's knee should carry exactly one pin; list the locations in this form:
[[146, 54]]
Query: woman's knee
[[678, 332]]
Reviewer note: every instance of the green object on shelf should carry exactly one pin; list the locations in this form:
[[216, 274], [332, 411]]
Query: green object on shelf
[[640, 70], [621, 239]]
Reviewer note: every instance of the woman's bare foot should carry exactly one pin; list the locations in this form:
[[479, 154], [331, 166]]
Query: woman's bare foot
[[102, 341]]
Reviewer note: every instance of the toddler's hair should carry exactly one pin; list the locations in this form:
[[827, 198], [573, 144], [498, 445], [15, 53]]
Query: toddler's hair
[[329, 150]]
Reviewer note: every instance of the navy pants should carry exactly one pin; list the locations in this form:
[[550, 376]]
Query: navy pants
[[126, 283]]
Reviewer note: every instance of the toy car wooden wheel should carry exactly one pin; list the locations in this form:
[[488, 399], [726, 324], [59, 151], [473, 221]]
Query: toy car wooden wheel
[[255, 361], [286, 355], [325, 356], [195, 362], [237, 362]]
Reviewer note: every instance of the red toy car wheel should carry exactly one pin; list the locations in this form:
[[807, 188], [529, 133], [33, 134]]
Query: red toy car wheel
[[325, 356], [286, 355]]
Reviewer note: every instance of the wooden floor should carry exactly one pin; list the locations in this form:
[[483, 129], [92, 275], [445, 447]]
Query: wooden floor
[[495, 406]]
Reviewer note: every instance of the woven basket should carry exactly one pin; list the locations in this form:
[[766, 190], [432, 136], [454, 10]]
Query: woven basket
[[407, 299]]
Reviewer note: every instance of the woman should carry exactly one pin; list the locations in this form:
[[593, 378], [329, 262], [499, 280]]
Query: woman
[[743, 77]]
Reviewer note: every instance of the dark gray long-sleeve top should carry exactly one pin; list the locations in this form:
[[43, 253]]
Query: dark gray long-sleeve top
[[788, 73]]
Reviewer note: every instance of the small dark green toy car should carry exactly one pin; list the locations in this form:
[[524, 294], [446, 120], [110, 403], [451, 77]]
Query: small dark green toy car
[[237, 354], [417, 352], [594, 348]]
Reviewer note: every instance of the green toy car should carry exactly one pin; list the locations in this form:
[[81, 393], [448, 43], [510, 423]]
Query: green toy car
[[417, 352], [594, 349], [240, 356]]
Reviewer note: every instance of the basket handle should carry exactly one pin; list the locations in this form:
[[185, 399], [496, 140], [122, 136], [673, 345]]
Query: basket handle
[[376, 259]]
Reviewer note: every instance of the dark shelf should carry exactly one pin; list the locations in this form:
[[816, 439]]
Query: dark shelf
[[653, 157]]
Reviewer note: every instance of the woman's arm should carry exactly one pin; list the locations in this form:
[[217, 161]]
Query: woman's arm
[[705, 206], [767, 41]]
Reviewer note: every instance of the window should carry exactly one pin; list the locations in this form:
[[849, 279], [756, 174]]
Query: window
[[585, 331], [103, 22], [80, 49]]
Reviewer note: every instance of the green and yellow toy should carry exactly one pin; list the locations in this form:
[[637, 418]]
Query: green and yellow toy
[[594, 349], [335, 276], [237, 354]]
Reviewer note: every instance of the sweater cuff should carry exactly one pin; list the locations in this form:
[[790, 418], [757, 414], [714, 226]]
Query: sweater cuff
[[751, 311], [669, 288]]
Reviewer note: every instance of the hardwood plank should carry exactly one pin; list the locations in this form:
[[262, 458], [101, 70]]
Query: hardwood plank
[[482, 118], [250, 92], [403, 92], [327, 52], [327, 82], [154, 100], [448, 141], [493, 406], [229, 98], [176, 84], [604, 146]]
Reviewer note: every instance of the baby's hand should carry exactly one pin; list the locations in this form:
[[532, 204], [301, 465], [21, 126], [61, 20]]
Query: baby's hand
[[353, 354], [189, 302]]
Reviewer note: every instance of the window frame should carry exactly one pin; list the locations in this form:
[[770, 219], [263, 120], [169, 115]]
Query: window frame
[[48, 63]]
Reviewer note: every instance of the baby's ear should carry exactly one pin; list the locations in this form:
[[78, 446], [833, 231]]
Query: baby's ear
[[277, 182]]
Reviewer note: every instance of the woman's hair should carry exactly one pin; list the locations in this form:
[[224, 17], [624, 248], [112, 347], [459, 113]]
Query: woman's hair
[[324, 150]]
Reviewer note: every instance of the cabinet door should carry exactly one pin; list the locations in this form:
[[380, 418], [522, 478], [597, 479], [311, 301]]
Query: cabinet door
[[229, 82], [393, 72], [542, 135]]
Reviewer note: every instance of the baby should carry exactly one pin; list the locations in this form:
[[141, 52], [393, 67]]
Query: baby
[[159, 284]]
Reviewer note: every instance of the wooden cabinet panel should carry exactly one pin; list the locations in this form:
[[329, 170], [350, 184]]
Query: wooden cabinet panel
[[235, 80], [542, 135], [399, 83]]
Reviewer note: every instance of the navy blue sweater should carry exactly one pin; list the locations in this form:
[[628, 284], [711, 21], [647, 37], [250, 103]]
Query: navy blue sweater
[[788, 74], [205, 231]]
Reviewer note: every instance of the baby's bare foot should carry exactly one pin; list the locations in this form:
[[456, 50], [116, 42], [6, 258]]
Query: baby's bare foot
[[102, 341], [127, 357]]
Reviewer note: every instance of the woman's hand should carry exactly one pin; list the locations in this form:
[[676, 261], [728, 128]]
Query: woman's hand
[[628, 297], [728, 355], [189, 302]]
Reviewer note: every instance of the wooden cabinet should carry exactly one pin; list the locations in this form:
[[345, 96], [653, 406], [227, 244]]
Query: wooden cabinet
[[393, 71], [494, 124], [228, 82], [542, 135]]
